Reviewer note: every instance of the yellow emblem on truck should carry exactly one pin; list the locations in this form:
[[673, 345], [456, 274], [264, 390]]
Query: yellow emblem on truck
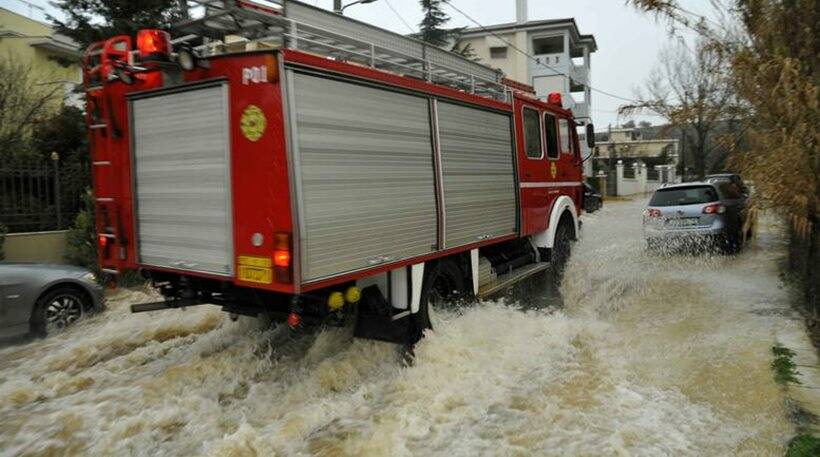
[[553, 170], [253, 123]]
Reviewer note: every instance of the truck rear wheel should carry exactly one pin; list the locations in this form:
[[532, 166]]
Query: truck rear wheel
[[444, 283]]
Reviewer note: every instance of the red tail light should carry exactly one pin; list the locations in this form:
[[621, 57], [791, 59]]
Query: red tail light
[[282, 257], [652, 212], [716, 208], [154, 44]]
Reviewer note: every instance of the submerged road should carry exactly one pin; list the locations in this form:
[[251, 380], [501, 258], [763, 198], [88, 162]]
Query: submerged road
[[644, 355]]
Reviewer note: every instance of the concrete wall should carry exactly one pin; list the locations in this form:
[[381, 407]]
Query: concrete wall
[[36, 247], [640, 184]]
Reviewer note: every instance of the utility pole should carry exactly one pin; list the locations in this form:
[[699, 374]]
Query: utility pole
[[683, 154], [338, 8]]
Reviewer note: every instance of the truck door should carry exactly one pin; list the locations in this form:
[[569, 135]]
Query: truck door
[[532, 168]]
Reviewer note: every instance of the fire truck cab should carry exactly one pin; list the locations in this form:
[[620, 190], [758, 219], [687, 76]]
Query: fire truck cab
[[283, 160]]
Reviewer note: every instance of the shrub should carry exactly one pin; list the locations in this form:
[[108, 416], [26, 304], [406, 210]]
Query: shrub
[[81, 245]]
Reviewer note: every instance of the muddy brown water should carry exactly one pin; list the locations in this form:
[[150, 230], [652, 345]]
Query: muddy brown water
[[645, 355]]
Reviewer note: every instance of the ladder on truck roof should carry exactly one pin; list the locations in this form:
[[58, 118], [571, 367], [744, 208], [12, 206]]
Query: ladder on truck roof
[[296, 25]]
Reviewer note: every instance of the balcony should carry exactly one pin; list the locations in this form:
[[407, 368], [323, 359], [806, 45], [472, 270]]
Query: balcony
[[579, 73]]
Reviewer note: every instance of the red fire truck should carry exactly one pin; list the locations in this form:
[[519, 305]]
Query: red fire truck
[[278, 159]]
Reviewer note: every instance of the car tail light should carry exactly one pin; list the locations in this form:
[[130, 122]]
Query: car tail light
[[716, 208], [282, 257], [652, 212], [154, 44]]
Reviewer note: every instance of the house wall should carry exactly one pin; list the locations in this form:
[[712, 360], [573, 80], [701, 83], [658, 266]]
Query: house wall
[[18, 33], [634, 149]]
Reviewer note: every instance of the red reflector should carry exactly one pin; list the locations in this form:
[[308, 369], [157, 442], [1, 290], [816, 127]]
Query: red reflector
[[652, 212], [153, 43], [294, 320], [103, 241], [281, 258], [554, 98]]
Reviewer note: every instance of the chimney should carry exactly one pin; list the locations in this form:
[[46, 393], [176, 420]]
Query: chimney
[[521, 11]]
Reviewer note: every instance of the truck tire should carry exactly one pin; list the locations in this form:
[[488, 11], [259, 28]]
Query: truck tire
[[443, 284], [561, 248]]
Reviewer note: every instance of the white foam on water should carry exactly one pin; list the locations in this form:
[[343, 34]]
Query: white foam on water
[[650, 355]]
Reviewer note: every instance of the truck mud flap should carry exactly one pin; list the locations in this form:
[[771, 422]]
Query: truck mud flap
[[376, 319]]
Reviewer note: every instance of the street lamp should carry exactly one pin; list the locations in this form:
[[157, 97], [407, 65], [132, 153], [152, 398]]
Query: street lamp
[[338, 8]]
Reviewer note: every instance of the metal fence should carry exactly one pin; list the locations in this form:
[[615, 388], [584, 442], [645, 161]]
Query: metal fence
[[653, 174], [38, 194], [629, 172]]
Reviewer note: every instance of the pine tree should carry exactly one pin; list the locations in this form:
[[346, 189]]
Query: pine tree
[[431, 27], [432, 31], [90, 21]]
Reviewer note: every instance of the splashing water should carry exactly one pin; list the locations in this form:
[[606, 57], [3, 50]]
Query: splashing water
[[649, 355]]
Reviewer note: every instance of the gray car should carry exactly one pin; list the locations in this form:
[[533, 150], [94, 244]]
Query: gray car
[[39, 299], [711, 214]]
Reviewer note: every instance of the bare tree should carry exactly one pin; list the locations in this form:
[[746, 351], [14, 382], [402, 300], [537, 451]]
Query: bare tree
[[691, 89], [26, 97]]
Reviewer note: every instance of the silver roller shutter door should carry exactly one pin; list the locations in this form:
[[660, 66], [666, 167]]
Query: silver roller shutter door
[[182, 180], [367, 179], [478, 172]]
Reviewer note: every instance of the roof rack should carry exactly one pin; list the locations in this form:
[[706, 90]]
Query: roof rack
[[295, 25]]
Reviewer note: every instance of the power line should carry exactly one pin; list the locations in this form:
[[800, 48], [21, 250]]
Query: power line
[[389, 5], [535, 59]]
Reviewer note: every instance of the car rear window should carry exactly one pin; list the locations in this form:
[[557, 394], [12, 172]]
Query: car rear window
[[684, 196]]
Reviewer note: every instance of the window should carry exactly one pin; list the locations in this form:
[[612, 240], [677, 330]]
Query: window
[[499, 52], [552, 136], [548, 45], [684, 196], [564, 132], [532, 134]]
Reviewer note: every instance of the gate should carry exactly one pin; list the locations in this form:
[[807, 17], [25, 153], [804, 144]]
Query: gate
[[39, 195]]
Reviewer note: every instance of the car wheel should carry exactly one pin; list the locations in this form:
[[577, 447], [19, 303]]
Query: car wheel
[[443, 285], [732, 243], [56, 310]]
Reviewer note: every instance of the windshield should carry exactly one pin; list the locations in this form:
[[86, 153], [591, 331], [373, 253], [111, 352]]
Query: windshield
[[684, 196]]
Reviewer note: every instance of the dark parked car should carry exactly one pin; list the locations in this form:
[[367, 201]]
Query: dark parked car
[[698, 211], [593, 200], [730, 177], [39, 299]]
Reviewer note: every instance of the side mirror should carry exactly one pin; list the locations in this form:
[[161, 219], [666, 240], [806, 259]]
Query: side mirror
[[590, 135]]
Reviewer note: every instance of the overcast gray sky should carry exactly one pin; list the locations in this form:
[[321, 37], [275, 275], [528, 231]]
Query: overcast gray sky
[[628, 41]]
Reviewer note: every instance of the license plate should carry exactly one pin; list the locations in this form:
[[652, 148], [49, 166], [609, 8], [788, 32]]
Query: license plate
[[254, 274], [684, 222]]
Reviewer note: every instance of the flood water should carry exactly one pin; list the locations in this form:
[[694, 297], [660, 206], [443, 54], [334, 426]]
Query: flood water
[[645, 355]]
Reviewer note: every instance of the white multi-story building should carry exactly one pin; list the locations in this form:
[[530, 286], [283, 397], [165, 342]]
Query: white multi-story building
[[558, 61], [558, 57]]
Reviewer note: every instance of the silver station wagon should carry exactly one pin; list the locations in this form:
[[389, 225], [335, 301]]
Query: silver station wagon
[[704, 214]]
